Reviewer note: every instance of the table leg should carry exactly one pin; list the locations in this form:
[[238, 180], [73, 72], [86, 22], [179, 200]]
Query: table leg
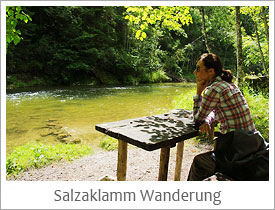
[[212, 131], [163, 163], [179, 161], [122, 160]]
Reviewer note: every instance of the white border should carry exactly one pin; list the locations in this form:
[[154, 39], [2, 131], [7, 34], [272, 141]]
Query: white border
[[39, 195]]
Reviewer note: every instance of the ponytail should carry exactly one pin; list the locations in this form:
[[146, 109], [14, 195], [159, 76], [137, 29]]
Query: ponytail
[[226, 75]]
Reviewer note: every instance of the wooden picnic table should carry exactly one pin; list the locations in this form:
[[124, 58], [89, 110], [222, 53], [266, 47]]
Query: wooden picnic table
[[150, 133]]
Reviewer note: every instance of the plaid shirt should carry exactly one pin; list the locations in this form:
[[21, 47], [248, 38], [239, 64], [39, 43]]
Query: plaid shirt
[[223, 102]]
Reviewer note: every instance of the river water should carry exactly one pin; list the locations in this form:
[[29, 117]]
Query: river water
[[32, 114]]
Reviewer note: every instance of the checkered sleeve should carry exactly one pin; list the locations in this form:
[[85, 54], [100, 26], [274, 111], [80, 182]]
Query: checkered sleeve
[[197, 103], [210, 118], [203, 108]]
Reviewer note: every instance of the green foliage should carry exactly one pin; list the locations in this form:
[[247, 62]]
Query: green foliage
[[259, 108], [13, 81], [69, 45], [36, 155], [252, 11], [159, 76], [251, 51], [152, 77], [13, 15], [221, 34], [108, 143], [171, 18]]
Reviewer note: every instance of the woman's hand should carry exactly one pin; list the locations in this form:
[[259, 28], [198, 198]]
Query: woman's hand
[[205, 128], [201, 85]]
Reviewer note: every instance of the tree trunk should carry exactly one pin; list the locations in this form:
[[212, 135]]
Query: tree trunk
[[260, 49], [239, 46], [204, 30], [265, 26]]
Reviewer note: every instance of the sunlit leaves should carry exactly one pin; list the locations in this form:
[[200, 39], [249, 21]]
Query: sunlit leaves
[[143, 34], [171, 18], [138, 34], [13, 15], [253, 12]]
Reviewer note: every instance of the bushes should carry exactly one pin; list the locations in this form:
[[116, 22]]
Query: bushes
[[159, 76], [18, 81]]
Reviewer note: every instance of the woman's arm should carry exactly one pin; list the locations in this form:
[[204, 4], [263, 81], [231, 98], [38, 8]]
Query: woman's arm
[[204, 105]]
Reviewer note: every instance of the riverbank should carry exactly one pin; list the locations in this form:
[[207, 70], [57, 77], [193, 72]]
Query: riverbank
[[19, 81], [142, 165]]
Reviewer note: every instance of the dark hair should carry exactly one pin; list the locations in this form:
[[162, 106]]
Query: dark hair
[[211, 60]]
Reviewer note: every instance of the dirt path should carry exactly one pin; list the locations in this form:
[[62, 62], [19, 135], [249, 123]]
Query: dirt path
[[142, 166]]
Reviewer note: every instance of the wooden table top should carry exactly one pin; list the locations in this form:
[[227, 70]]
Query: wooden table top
[[153, 132]]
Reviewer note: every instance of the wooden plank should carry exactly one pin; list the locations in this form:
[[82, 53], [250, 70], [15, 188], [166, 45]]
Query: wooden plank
[[153, 132], [164, 163], [122, 160], [180, 147]]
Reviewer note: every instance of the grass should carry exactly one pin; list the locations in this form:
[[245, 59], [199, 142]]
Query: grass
[[259, 108], [108, 143], [36, 155], [185, 100]]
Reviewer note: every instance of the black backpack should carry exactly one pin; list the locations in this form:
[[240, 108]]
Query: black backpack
[[243, 155]]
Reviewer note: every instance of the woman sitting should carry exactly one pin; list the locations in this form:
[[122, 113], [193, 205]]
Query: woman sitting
[[222, 102]]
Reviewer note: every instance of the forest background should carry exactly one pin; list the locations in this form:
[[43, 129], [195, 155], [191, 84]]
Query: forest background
[[132, 45]]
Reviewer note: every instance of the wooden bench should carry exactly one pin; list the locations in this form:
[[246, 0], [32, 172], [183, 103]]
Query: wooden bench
[[150, 133]]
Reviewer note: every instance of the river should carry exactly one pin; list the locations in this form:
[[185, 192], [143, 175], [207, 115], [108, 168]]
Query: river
[[33, 114]]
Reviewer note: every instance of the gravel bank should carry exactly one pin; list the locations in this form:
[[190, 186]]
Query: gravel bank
[[142, 166]]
